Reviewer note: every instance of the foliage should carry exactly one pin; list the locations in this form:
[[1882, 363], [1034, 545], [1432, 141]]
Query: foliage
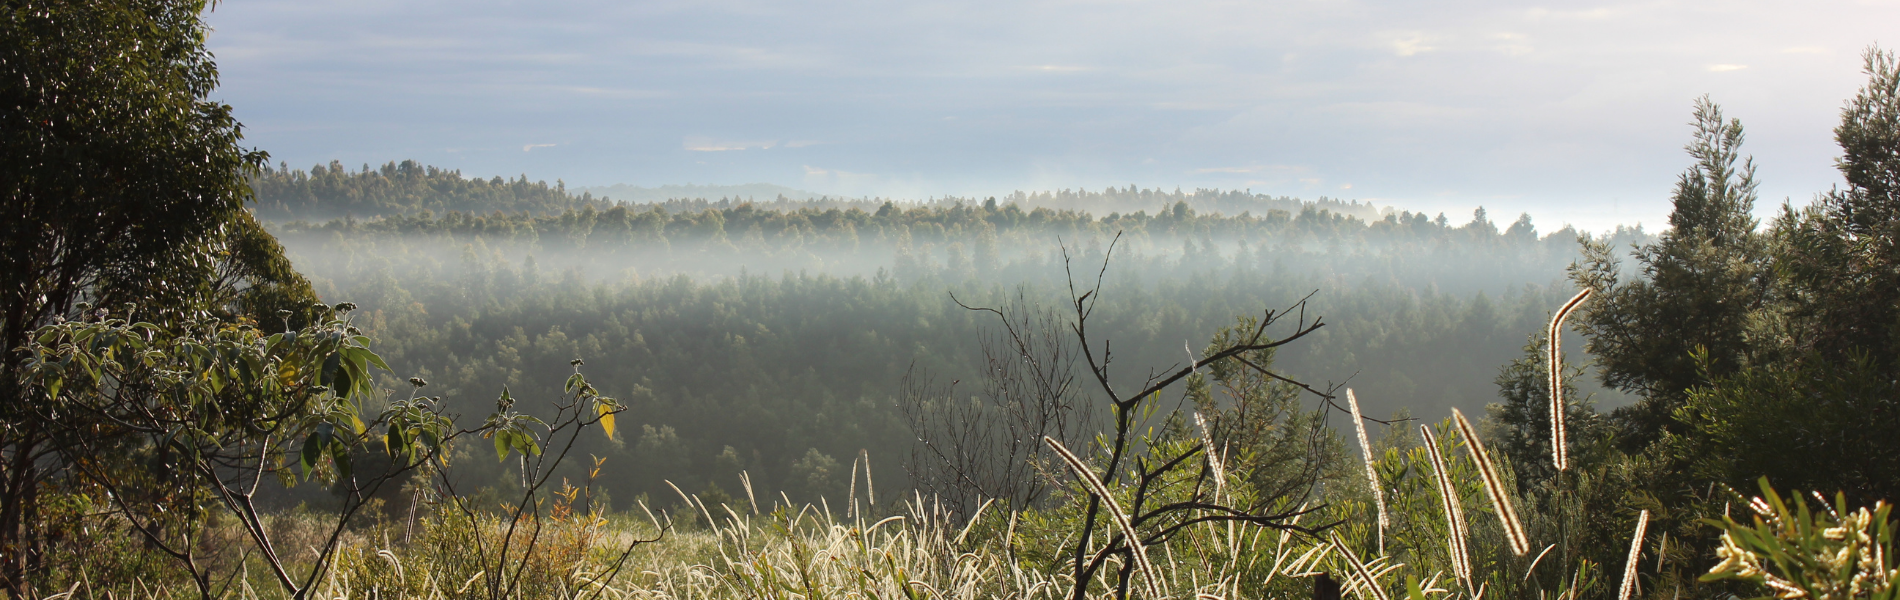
[[114, 156], [122, 183], [1772, 407], [334, 192], [1836, 553], [1754, 353], [1699, 285], [1841, 256], [163, 427], [1257, 426]]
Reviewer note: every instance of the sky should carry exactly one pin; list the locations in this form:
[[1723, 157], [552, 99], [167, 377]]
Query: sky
[[1573, 112]]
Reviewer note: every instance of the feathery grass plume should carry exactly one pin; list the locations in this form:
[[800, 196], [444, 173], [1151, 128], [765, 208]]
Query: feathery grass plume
[[1140, 553], [851, 497], [1559, 436], [974, 517], [1636, 551], [870, 491], [746, 481], [1359, 568], [1372, 473], [1454, 513], [1213, 459], [1493, 486], [682, 493]]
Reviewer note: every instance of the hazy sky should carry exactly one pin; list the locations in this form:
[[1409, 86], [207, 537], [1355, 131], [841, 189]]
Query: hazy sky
[[1572, 111]]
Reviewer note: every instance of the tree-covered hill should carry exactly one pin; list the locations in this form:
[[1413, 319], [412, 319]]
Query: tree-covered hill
[[751, 338], [407, 187], [335, 192]]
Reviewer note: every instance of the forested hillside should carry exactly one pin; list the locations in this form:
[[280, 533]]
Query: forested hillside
[[406, 188], [335, 192], [766, 337]]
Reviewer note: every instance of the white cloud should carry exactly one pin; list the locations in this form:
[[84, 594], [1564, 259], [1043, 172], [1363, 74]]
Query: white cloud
[[533, 146], [1724, 68], [1410, 45], [1512, 44]]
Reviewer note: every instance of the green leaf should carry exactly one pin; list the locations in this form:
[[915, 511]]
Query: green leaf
[[340, 455], [344, 385], [501, 445], [574, 381], [312, 449], [329, 373], [376, 360]]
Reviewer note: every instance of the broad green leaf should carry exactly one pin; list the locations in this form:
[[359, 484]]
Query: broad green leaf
[[328, 375], [312, 449], [376, 360], [343, 385]]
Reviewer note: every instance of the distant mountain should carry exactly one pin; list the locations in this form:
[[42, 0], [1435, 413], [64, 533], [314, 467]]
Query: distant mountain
[[634, 194]]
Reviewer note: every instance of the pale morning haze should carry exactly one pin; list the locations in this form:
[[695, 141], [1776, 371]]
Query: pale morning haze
[[1574, 112]]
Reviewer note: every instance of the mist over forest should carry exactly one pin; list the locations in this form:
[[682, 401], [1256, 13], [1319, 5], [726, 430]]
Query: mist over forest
[[750, 334]]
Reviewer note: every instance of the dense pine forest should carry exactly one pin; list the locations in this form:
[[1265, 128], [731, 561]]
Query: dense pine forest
[[225, 379]]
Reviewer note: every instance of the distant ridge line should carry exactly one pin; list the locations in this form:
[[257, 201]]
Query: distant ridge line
[[335, 191]]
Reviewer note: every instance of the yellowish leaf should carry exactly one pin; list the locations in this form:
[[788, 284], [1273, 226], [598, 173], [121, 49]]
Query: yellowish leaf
[[607, 418]]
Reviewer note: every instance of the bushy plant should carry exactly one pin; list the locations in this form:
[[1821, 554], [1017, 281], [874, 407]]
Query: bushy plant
[[1792, 551]]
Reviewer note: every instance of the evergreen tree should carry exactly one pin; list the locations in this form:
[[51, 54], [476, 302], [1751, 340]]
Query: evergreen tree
[[1817, 410], [1842, 255], [1699, 285]]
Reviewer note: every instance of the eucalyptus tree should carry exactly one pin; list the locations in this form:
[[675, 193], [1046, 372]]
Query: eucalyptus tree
[[120, 182]]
